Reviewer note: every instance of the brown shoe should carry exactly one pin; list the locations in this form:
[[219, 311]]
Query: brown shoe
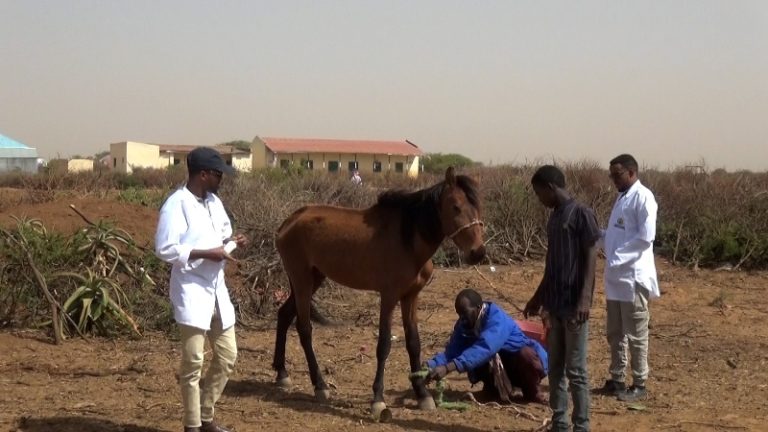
[[212, 427]]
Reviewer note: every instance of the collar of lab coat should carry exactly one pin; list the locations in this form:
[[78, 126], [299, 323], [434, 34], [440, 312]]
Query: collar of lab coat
[[208, 196], [632, 189]]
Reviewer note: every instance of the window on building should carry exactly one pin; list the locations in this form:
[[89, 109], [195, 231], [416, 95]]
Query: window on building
[[285, 163], [307, 164], [333, 166], [176, 161], [398, 167], [352, 165], [376, 166], [114, 163]]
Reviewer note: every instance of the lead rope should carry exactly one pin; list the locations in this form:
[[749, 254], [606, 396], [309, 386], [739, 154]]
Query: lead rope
[[439, 393]]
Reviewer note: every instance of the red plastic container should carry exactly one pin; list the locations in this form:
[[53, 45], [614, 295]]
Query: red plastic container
[[534, 330]]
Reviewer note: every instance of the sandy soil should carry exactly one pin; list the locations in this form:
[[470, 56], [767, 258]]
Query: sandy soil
[[708, 358]]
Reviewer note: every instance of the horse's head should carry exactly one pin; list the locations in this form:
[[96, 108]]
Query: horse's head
[[460, 215]]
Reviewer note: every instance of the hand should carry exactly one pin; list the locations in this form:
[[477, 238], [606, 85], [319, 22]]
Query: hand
[[219, 254], [437, 373], [531, 308], [545, 320], [582, 314], [241, 240]]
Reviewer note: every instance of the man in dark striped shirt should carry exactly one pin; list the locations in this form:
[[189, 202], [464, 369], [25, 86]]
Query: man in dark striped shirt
[[564, 296]]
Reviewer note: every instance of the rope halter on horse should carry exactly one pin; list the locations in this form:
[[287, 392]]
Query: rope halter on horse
[[463, 227]]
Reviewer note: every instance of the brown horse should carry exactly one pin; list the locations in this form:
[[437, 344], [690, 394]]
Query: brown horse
[[385, 248]]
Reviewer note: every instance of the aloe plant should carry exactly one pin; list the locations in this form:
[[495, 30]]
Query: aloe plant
[[94, 298]]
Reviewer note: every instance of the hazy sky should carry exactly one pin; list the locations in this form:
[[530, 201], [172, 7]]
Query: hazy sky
[[672, 82]]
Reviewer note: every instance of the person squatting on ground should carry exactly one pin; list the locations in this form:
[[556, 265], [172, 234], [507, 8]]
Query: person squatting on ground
[[489, 345]]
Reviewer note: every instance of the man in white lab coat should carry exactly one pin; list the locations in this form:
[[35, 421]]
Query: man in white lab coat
[[191, 235], [630, 278]]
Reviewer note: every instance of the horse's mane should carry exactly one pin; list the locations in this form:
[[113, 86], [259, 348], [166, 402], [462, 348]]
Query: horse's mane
[[420, 211]]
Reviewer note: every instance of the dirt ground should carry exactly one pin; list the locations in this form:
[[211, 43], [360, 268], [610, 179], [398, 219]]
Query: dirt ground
[[708, 356], [56, 215]]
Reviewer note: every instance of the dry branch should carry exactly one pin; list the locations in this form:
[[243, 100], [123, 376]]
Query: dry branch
[[519, 410], [700, 423]]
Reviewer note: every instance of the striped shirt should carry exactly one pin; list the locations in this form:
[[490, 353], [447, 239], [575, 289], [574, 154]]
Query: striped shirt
[[571, 230]]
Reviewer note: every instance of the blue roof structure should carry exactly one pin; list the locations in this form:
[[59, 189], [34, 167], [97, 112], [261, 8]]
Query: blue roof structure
[[9, 143]]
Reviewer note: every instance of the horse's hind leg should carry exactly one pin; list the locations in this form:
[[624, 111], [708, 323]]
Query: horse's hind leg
[[285, 316], [303, 291]]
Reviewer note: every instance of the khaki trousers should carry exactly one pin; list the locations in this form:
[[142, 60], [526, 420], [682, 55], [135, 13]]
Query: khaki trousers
[[627, 324], [198, 403]]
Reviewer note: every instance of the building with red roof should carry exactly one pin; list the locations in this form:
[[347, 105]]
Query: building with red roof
[[335, 155]]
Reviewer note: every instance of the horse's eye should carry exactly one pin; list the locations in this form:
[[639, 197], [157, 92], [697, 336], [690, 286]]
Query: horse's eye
[[456, 209]]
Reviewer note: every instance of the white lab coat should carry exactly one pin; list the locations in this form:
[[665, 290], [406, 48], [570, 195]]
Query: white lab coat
[[187, 223], [628, 245]]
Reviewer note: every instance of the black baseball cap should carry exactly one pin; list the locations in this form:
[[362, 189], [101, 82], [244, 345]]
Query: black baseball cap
[[206, 158]]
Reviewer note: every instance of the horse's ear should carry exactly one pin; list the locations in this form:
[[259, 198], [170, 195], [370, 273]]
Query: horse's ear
[[450, 176]]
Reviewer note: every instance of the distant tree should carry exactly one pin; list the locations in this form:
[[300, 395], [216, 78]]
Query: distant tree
[[438, 162], [101, 154], [239, 144]]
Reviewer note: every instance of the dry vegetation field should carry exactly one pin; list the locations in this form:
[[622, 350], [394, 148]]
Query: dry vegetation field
[[709, 344]]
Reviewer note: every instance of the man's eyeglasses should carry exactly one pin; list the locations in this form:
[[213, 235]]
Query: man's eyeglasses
[[617, 174]]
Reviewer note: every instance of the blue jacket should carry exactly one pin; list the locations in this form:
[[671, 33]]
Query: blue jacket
[[499, 332]]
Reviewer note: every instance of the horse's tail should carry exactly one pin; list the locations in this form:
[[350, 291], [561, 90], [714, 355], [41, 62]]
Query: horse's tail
[[316, 316], [314, 312]]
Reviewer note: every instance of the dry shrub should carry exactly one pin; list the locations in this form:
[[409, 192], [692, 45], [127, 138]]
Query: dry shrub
[[713, 218], [705, 218], [94, 181], [258, 203], [95, 281]]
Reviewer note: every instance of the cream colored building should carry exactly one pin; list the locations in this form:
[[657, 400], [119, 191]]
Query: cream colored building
[[80, 165], [368, 157], [128, 155], [63, 166]]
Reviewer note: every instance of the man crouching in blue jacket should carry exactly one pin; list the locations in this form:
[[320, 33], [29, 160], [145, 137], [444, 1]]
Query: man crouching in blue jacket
[[489, 345]]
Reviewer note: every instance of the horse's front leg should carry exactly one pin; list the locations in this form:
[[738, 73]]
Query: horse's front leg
[[383, 347], [408, 306]]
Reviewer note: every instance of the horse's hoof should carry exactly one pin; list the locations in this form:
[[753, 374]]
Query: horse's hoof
[[380, 412], [427, 404], [322, 395], [385, 416], [284, 383]]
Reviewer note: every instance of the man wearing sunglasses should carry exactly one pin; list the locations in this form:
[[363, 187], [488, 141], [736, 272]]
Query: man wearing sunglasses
[[191, 235]]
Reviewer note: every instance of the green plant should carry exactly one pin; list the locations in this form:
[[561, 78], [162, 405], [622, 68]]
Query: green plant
[[94, 298], [721, 301], [146, 197], [437, 163], [80, 280]]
